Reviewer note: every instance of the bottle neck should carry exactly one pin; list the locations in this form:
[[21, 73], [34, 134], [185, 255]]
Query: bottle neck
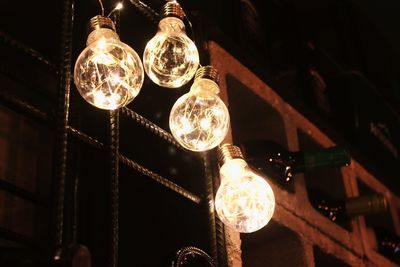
[[269, 156], [365, 205], [326, 157], [343, 209]]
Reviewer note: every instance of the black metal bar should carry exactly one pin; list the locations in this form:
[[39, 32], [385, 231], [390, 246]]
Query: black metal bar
[[72, 197], [62, 124], [161, 180], [17, 104], [18, 238], [22, 193], [114, 175], [11, 41], [133, 165], [85, 138], [217, 228], [221, 242], [154, 128], [210, 202], [146, 10], [75, 204]]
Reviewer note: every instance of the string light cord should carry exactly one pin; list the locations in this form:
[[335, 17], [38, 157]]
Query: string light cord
[[154, 16], [119, 6], [146, 10], [189, 23], [101, 7]]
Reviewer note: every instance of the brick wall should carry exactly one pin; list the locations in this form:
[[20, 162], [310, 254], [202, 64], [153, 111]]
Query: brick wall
[[298, 235]]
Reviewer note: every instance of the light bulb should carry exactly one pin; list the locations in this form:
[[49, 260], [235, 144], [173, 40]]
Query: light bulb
[[171, 58], [199, 119], [108, 73], [244, 200]]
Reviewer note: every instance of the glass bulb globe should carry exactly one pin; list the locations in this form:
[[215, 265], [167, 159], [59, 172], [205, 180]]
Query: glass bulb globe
[[170, 58], [244, 200], [199, 120], [108, 73]]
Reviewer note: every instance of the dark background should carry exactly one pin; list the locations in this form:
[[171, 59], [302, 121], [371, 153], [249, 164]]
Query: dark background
[[336, 61]]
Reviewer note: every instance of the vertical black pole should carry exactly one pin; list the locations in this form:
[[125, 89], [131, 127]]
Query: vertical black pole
[[62, 126], [216, 227], [114, 169], [210, 207]]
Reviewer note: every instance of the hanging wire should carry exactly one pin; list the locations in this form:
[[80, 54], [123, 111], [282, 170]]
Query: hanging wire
[[146, 10], [102, 7], [119, 6], [154, 16], [189, 23]]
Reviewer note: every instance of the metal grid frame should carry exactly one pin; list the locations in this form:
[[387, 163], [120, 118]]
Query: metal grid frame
[[64, 133]]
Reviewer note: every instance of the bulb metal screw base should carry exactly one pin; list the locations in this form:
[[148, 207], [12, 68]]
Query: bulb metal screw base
[[99, 22], [208, 72], [228, 152], [172, 9]]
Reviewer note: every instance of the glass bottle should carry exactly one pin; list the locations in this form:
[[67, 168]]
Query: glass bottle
[[270, 157], [339, 210]]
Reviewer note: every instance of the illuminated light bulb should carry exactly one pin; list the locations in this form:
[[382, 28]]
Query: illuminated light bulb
[[199, 119], [244, 200], [108, 73], [171, 58]]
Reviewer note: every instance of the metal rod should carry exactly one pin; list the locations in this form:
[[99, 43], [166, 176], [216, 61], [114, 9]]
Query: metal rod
[[133, 165], [85, 138], [75, 204], [19, 105], [161, 180], [114, 175], [212, 187], [146, 10], [8, 40], [208, 173], [62, 124], [22, 193], [152, 127], [18, 238]]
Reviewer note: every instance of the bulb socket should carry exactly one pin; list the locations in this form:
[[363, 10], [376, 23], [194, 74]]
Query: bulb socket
[[208, 72], [228, 152], [100, 22], [172, 9]]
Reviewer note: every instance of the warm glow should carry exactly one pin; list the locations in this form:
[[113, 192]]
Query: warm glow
[[119, 6], [108, 73], [205, 123], [199, 120], [170, 58], [244, 200]]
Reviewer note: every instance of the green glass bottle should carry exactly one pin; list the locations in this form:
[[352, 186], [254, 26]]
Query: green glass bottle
[[270, 157]]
